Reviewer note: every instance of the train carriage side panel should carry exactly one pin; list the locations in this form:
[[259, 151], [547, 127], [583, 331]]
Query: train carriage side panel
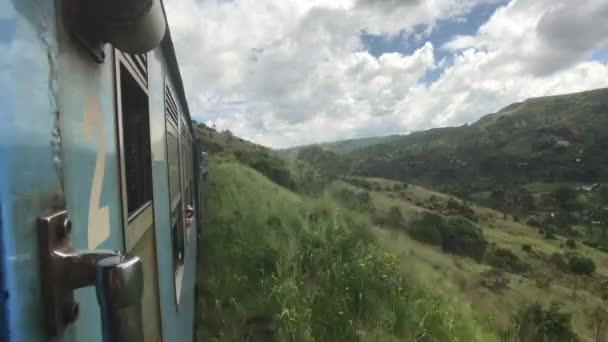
[[176, 318], [59, 149], [30, 178], [90, 162]]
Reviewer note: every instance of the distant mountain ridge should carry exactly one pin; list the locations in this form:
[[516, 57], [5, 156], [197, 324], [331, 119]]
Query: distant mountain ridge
[[342, 146], [549, 139]]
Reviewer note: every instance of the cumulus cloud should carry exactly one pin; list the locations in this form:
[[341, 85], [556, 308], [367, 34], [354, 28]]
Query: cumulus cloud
[[284, 73], [542, 36]]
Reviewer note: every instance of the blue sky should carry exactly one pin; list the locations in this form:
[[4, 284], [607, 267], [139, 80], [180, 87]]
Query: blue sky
[[600, 55], [441, 33]]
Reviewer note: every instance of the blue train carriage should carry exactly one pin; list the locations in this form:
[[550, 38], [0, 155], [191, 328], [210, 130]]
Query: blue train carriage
[[99, 176]]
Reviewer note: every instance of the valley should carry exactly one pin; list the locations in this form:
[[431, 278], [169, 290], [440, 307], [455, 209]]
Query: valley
[[501, 225]]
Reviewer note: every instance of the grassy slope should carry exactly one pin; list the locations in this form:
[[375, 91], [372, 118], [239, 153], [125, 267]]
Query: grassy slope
[[320, 273], [215, 142], [461, 275]]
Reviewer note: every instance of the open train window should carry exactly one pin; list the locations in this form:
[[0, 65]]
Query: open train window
[[136, 140]]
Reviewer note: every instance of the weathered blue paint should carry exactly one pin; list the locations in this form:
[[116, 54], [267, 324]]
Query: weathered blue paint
[[46, 160], [30, 179], [176, 324], [80, 78]]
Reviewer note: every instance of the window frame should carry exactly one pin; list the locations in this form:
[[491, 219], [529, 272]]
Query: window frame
[[175, 122]]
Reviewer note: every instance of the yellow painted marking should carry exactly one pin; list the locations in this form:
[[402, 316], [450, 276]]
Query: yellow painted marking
[[99, 218]]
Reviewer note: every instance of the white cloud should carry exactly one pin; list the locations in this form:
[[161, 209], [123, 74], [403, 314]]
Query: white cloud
[[542, 36], [284, 73]]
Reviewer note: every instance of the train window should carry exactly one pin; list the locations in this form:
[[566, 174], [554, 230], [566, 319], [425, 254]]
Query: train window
[[175, 168], [173, 150], [173, 165], [136, 140]]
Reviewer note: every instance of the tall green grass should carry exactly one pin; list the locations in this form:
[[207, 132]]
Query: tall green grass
[[315, 271]]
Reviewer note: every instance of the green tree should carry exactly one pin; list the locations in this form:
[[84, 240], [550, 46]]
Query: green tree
[[427, 228], [565, 198], [581, 265], [571, 244], [497, 198], [603, 193], [526, 200], [463, 237]]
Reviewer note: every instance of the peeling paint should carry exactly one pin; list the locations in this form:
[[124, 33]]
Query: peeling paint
[[40, 14], [54, 100]]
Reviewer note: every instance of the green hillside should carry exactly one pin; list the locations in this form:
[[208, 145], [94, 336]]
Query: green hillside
[[355, 264], [279, 265], [519, 266], [342, 146], [497, 231], [214, 142], [260, 158], [549, 139]]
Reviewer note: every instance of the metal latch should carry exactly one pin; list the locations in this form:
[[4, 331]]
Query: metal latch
[[118, 280]]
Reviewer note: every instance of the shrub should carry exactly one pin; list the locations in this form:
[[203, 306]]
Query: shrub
[[526, 248], [570, 243], [533, 222], [581, 265], [558, 261], [399, 186], [456, 208], [565, 198], [494, 279], [358, 182], [535, 323], [427, 228], [590, 243], [506, 260], [358, 200], [463, 237], [269, 165], [548, 232], [395, 219], [543, 281]]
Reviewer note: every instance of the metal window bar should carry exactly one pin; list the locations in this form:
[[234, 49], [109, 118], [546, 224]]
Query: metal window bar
[[170, 106]]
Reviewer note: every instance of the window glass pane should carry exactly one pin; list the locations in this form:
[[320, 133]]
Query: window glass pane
[[173, 165], [183, 162], [136, 140]]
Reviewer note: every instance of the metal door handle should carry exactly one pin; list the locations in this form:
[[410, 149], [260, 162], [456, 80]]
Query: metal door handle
[[118, 280], [119, 285]]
